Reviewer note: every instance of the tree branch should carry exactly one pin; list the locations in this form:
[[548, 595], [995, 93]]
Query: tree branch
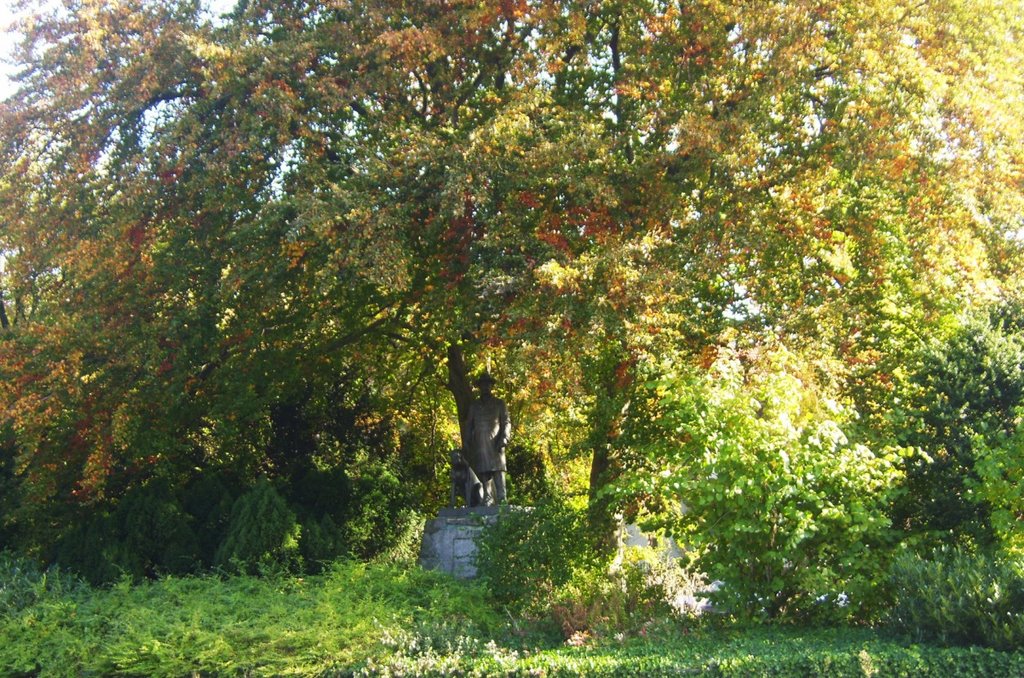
[[620, 108], [4, 322], [458, 384]]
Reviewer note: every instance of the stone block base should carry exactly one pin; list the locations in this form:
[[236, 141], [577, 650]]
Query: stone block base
[[449, 541]]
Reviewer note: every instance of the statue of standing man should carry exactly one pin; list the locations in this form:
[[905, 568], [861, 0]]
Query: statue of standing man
[[488, 430]]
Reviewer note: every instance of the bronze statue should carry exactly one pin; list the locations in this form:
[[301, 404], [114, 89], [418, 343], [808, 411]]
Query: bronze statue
[[487, 432]]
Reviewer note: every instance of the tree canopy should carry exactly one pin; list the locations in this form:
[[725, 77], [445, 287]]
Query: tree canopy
[[250, 242]]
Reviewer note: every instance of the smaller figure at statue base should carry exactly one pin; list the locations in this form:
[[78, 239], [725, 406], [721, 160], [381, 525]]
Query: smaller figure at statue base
[[464, 483]]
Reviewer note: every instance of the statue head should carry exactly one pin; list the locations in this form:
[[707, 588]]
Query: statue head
[[485, 382]]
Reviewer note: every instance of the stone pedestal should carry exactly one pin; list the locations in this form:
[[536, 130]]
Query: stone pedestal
[[449, 541]]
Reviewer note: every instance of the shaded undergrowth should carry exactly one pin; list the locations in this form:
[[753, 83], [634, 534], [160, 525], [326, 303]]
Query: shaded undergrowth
[[359, 619]]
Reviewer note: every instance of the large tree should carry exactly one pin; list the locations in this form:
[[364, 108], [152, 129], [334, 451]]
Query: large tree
[[207, 220]]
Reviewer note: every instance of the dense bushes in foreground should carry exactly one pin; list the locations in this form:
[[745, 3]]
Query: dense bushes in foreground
[[957, 598], [373, 620], [781, 502], [540, 565], [218, 521]]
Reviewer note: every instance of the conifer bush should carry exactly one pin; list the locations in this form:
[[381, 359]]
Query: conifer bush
[[90, 550], [208, 500], [359, 510], [146, 534], [961, 404], [321, 541], [23, 582], [263, 534], [154, 535], [379, 498]]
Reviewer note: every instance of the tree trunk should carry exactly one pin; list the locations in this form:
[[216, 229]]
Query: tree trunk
[[4, 322], [614, 386], [600, 512], [458, 384]]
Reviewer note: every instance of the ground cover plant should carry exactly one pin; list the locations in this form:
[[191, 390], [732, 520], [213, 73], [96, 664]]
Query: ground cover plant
[[54, 625], [779, 651], [383, 620]]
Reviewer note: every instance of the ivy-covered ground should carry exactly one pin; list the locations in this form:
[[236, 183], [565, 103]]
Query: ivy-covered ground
[[383, 620]]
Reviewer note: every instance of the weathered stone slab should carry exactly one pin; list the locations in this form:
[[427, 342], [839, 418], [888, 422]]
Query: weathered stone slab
[[450, 540], [464, 547]]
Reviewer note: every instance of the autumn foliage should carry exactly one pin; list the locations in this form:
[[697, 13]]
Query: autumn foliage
[[243, 245]]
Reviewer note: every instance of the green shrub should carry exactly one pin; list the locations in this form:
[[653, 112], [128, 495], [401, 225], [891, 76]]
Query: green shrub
[[23, 583], [9, 486], [658, 584], [528, 470], [208, 500], [959, 403], [405, 547], [316, 493], [541, 564], [355, 511], [154, 534], [999, 465], [379, 620], [528, 555], [91, 550], [779, 503], [322, 541], [242, 625], [379, 498], [766, 651], [145, 535], [644, 592], [263, 534], [957, 598], [18, 579]]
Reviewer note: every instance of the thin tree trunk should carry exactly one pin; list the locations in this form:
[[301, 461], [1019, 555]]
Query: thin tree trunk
[[4, 322], [621, 114], [600, 512], [458, 384], [606, 465]]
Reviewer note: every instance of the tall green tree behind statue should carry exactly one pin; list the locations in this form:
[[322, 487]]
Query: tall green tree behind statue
[[201, 220]]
